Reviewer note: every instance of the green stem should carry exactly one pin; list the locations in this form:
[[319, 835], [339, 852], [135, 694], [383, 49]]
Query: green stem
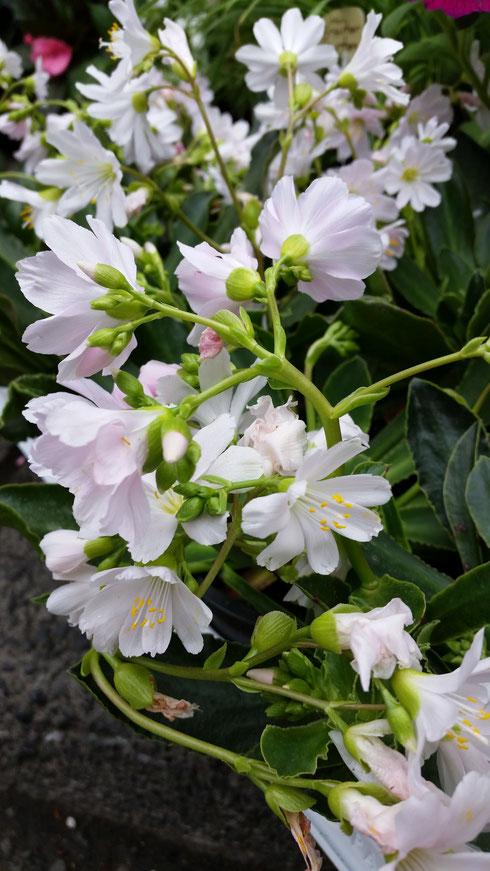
[[481, 399], [189, 404], [312, 355], [359, 563], [196, 230], [22, 175], [212, 138], [299, 381], [343, 407], [271, 279], [408, 495], [290, 128], [233, 530]]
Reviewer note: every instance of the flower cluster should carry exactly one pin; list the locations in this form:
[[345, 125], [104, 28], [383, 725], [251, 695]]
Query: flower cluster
[[232, 461]]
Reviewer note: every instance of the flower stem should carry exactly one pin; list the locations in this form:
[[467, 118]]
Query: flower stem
[[233, 530], [286, 145], [271, 279], [196, 93], [190, 403]]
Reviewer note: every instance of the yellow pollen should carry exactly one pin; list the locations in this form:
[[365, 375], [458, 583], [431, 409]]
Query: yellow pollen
[[323, 504], [125, 440], [450, 735], [468, 816], [345, 515], [394, 242], [337, 497], [156, 495], [348, 505], [312, 510], [325, 528], [338, 525], [468, 723], [373, 830], [469, 699], [27, 217]]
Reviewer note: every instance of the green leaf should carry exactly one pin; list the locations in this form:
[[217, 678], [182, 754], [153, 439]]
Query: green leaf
[[435, 422], [391, 23], [464, 606], [327, 591], [296, 749], [262, 603], [400, 463], [394, 337], [389, 588], [458, 469], [450, 225], [14, 426], [472, 385], [36, 509], [478, 325], [482, 250], [215, 659], [422, 526], [415, 286], [478, 497], [386, 556], [349, 376]]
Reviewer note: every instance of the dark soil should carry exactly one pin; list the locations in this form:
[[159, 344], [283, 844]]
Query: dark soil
[[78, 789]]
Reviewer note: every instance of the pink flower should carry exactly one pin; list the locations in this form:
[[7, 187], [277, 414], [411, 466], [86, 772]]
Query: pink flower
[[456, 8], [210, 344], [54, 53]]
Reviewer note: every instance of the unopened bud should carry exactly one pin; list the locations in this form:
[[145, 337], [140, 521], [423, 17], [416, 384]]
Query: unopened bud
[[139, 101], [250, 213], [174, 446], [348, 81], [217, 503], [135, 684], [191, 509], [242, 283], [101, 338], [50, 194], [262, 675], [288, 59], [105, 275], [121, 341], [302, 94], [166, 475], [271, 629], [133, 246], [295, 247], [324, 631], [190, 362], [151, 249], [99, 546]]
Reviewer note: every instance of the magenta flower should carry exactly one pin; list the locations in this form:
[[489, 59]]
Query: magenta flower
[[456, 8], [54, 53]]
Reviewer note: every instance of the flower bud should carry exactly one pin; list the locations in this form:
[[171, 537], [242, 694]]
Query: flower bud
[[99, 546], [101, 338], [295, 247], [271, 629], [324, 631], [166, 475], [135, 684], [288, 59], [185, 469], [105, 275], [217, 503], [251, 212], [298, 663], [133, 246], [190, 362], [193, 453], [139, 101], [210, 345], [174, 446], [50, 194], [302, 94], [348, 81], [191, 509], [122, 339], [262, 675], [241, 284]]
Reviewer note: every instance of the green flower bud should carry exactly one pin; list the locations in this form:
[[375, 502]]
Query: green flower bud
[[193, 453], [271, 629], [99, 546], [101, 338], [135, 684], [276, 710], [19, 114], [191, 509], [250, 213], [140, 102], [302, 94], [324, 632], [348, 81], [122, 339], [295, 247], [105, 275], [185, 469], [190, 362], [298, 663], [217, 503], [241, 284], [398, 716], [50, 194], [288, 59], [289, 799]]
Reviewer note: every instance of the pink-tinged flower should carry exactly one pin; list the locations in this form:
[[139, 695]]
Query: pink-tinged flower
[[135, 609], [55, 54], [362, 179], [66, 559], [457, 8], [277, 434], [393, 238], [305, 515], [327, 229], [297, 45], [453, 705], [210, 344], [428, 831], [376, 638], [53, 281], [362, 749], [95, 448]]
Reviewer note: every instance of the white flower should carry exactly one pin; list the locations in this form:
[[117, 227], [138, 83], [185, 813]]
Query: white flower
[[40, 204], [393, 238], [40, 79], [135, 609], [133, 41], [313, 505], [89, 172], [203, 274], [10, 62], [171, 390], [64, 550], [361, 123], [95, 448], [376, 638], [449, 704], [411, 171], [339, 243], [348, 430], [361, 747], [301, 155], [32, 148], [297, 44], [173, 37], [69, 600], [456, 757], [361, 178], [371, 65], [277, 434], [434, 134], [135, 201], [53, 281], [428, 831], [233, 463], [431, 103], [142, 124]]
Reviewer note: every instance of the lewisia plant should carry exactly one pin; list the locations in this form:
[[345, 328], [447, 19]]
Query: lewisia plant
[[243, 254]]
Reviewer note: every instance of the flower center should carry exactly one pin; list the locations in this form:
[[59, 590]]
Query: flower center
[[410, 175]]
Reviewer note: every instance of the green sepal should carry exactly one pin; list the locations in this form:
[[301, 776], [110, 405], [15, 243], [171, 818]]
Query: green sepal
[[324, 631], [215, 659], [217, 503], [289, 799], [185, 469], [134, 684], [271, 629], [191, 509], [166, 475], [154, 438]]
